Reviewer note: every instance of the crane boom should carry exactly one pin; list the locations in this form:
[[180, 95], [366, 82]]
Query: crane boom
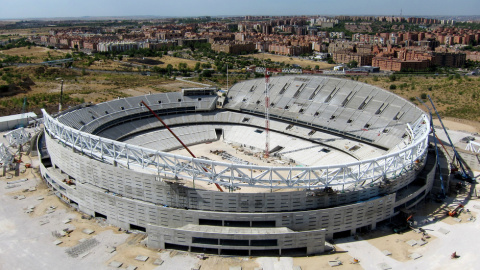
[[456, 155], [435, 139], [178, 139]]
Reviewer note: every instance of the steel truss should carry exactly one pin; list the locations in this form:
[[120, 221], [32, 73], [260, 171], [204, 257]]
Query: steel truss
[[17, 137], [6, 158], [473, 146], [389, 166]]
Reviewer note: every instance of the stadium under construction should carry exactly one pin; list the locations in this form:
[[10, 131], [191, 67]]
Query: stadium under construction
[[344, 156]]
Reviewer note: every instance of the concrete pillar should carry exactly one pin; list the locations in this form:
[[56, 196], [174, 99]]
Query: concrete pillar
[[373, 226], [17, 169]]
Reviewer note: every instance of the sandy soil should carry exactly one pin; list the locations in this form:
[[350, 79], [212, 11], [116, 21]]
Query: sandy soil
[[222, 263], [459, 124], [384, 239], [128, 251], [321, 262]]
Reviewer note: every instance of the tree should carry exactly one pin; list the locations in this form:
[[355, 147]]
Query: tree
[[206, 65], [182, 66], [197, 66], [352, 64], [169, 69], [207, 73]]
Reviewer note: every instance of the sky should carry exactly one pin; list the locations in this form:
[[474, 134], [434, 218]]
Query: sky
[[25, 9]]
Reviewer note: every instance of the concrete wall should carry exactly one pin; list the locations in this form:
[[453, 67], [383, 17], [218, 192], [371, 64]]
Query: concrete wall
[[314, 241], [150, 188], [130, 198]]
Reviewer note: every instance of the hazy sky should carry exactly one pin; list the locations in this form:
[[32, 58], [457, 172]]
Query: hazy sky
[[79, 8]]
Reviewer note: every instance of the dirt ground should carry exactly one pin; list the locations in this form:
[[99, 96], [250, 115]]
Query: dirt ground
[[128, 251], [459, 124], [292, 60], [131, 64], [222, 263], [321, 262], [385, 239], [174, 61]]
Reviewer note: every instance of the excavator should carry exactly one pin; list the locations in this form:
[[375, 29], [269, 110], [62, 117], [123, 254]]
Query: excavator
[[405, 226], [455, 212]]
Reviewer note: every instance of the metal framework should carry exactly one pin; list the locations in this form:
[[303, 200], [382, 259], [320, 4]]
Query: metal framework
[[473, 146], [6, 158], [17, 137], [389, 166]]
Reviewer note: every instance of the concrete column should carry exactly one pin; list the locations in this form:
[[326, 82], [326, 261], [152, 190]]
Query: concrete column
[[373, 226]]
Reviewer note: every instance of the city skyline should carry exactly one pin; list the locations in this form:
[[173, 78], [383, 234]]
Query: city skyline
[[28, 9]]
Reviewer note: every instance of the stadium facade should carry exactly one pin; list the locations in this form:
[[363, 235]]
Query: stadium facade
[[112, 160]]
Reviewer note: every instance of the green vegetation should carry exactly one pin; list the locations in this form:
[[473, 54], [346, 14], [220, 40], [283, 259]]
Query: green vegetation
[[454, 95], [22, 42]]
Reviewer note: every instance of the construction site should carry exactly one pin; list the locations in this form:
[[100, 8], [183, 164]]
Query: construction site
[[288, 172]]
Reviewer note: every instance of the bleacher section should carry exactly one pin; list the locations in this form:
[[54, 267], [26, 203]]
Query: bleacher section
[[234, 125], [163, 140], [95, 118], [349, 108], [324, 110]]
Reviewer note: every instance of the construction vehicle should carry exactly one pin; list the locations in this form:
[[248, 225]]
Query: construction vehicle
[[454, 255], [405, 226], [455, 212]]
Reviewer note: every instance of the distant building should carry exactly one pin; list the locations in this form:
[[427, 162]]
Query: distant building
[[396, 64], [233, 48], [363, 59]]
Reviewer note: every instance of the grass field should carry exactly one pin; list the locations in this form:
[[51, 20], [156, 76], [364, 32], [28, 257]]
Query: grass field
[[16, 33], [78, 88], [35, 54], [457, 97], [125, 63], [174, 61], [292, 60]]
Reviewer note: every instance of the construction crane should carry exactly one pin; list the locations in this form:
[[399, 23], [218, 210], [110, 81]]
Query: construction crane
[[464, 175], [435, 139], [267, 115], [178, 139]]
